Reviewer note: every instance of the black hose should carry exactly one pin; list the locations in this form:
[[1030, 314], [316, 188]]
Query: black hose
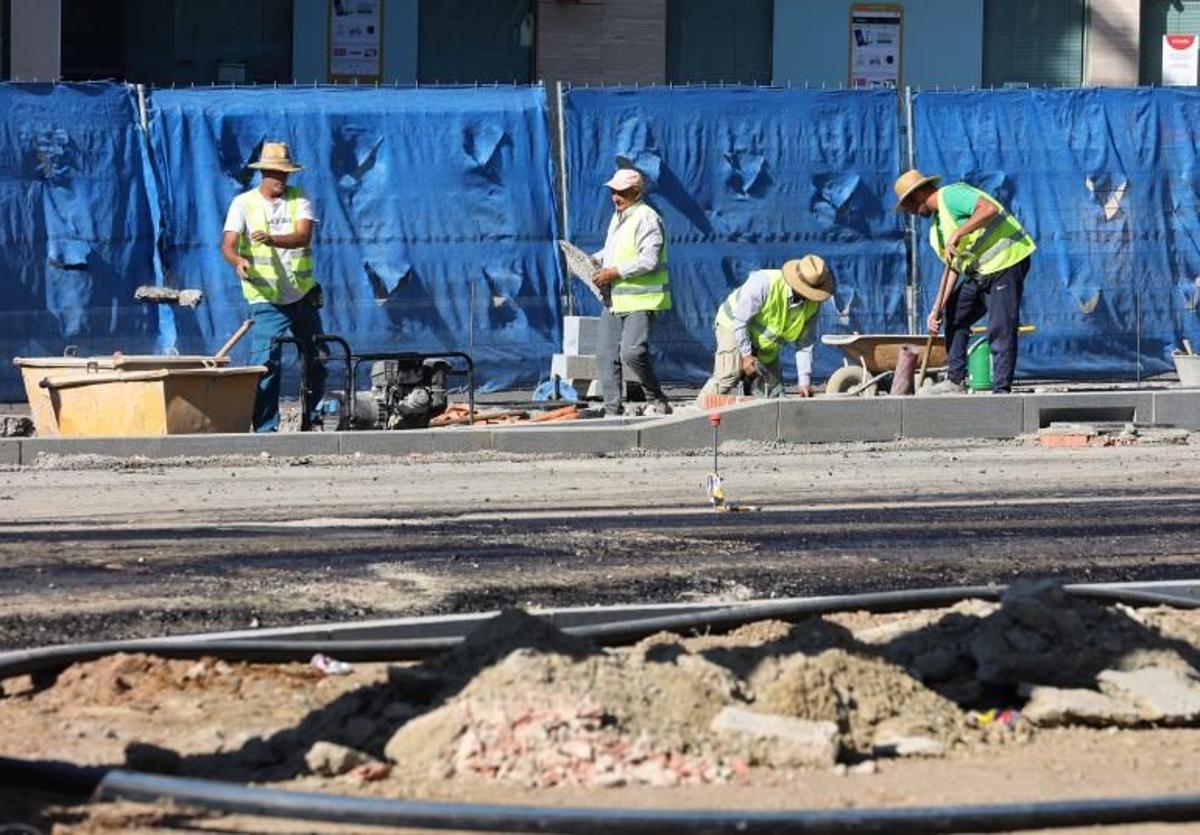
[[273, 650], [309, 806]]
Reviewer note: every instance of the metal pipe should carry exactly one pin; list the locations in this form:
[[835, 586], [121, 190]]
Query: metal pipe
[[914, 279], [562, 174]]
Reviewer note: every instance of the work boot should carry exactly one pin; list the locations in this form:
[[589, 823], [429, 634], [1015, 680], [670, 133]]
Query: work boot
[[661, 407], [947, 387]]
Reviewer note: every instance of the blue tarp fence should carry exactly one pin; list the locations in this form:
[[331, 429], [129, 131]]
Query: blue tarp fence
[[76, 234], [1108, 183], [747, 178], [438, 212], [436, 208]]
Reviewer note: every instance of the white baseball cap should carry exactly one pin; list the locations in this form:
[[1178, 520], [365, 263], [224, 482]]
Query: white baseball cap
[[625, 178]]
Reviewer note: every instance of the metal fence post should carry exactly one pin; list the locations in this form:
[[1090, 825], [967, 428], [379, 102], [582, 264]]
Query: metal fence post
[[914, 280], [568, 290]]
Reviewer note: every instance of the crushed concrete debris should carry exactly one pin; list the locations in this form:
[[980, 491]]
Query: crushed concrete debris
[[16, 426]]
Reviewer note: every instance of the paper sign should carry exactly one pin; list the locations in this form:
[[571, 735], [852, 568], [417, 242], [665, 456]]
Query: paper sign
[[875, 31], [1179, 62], [355, 40]]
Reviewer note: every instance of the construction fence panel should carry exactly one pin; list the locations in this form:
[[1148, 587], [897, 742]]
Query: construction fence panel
[[1108, 184], [436, 208], [747, 178], [76, 231]]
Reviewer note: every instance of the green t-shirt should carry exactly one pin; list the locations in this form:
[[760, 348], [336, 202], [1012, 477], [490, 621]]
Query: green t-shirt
[[960, 199]]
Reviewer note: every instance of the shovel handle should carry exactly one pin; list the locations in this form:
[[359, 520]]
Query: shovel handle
[[233, 340]]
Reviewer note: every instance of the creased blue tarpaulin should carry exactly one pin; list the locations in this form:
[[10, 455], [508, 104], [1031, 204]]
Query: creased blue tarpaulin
[[436, 209], [1107, 183], [76, 234], [746, 178]]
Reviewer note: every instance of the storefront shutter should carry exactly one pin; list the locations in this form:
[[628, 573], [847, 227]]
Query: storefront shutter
[[1035, 42]]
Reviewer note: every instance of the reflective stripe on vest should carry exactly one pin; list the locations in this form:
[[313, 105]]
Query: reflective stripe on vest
[[267, 269], [644, 292], [778, 323], [995, 247]]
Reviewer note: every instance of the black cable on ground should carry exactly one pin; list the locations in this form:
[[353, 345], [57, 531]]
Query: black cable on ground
[[308, 806], [275, 650]]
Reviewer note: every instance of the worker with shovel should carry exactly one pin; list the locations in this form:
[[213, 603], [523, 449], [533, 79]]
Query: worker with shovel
[[978, 239], [268, 239], [772, 309]]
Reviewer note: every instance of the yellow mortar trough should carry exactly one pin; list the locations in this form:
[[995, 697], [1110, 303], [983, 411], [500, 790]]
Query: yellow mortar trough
[[138, 395]]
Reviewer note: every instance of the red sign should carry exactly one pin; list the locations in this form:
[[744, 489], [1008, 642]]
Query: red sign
[[1181, 41]]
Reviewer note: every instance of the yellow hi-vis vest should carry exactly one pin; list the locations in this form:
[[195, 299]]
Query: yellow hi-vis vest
[[267, 269], [779, 322], [645, 292], [999, 245]]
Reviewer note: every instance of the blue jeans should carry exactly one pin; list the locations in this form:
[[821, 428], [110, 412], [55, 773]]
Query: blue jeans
[[302, 321]]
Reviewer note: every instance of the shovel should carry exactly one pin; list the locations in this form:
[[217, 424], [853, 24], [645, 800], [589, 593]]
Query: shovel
[[233, 340]]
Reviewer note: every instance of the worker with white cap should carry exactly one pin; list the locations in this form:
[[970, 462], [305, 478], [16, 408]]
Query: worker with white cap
[[978, 239], [773, 308], [634, 275], [268, 242]]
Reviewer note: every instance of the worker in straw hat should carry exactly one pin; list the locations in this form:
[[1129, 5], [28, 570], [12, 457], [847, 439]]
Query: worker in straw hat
[[633, 272], [979, 240], [773, 308], [268, 239]]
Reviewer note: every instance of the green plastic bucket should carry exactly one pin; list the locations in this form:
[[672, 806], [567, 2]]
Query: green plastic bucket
[[979, 366]]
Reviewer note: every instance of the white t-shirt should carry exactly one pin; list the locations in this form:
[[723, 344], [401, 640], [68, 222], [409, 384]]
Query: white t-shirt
[[280, 223]]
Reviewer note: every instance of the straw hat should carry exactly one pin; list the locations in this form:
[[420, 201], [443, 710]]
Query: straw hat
[[809, 277], [275, 157], [910, 181]]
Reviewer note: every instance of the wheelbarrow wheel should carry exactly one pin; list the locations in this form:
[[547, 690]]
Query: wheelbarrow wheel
[[847, 378]]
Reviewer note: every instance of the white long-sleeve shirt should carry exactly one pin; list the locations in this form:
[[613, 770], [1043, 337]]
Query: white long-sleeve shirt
[[751, 300], [648, 236]]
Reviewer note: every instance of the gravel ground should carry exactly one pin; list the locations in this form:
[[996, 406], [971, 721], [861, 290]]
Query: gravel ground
[[94, 548]]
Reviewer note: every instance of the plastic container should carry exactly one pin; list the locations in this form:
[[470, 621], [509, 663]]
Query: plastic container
[[1188, 368], [165, 401], [979, 366], [36, 369]]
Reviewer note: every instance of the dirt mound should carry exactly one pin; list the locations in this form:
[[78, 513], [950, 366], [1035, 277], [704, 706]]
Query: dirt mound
[[511, 630]]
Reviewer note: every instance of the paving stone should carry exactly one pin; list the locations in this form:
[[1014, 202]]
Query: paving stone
[[1051, 707], [1177, 408], [1087, 407], [836, 419], [758, 421], [1163, 694], [782, 740], [963, 416], [566, 440]]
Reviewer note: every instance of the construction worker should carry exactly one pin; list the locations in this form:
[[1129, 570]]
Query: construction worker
[[771, 309], [978, 239], [268, 235], [634, 273]]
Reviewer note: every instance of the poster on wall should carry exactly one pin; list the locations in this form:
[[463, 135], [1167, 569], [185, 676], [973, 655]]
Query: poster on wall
[[875, 39], [1179, 62], [355, 40]]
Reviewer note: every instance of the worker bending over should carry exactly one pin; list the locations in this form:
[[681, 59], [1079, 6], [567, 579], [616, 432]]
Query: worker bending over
[[772, 309], [634, 273], [978, 239]]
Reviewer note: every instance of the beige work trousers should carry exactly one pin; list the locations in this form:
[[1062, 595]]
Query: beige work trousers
[[727, 370]]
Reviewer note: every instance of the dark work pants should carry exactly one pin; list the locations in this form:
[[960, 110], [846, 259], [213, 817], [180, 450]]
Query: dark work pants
[[1000, 298], [625, 339]]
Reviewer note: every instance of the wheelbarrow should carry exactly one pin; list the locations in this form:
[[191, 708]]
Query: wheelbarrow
[[872, 357]]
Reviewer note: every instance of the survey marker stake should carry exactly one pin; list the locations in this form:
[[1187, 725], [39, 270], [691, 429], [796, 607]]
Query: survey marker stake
[[714, 485]]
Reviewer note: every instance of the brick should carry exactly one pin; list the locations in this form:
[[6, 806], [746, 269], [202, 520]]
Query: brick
[[781, 740], [757, 421], [962, 416], [836, 419]]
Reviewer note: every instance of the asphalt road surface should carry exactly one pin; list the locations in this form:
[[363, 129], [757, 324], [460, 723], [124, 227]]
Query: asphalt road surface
[[95, 549]]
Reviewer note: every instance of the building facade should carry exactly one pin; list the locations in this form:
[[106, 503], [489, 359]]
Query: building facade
[[948, 43]]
